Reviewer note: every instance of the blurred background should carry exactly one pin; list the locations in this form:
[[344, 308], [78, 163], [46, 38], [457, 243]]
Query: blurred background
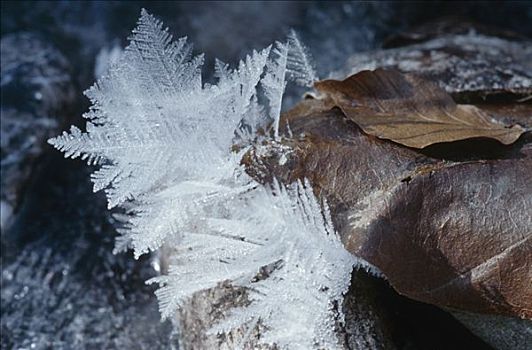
[[62, 287]]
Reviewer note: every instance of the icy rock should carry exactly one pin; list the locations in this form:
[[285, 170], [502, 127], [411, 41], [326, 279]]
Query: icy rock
[[471, 66], [37, 90], [367, 324], [62, 287], [53, 298]]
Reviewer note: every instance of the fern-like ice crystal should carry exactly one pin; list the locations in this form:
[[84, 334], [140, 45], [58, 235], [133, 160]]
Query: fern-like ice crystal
[[163, 143]]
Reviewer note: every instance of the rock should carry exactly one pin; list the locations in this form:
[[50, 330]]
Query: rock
[[376, 318], [447, 25], [367, 324], [503, 333], [470, 66], [37, 92], [62, 287]]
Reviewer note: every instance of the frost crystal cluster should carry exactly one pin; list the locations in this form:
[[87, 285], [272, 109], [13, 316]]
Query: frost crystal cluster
[[164, 144]]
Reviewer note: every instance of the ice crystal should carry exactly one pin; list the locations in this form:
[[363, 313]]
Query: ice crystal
[[286, 230], [300, 67], [274, 83], [163, 142]]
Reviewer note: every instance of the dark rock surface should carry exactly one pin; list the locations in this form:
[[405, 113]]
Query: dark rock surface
[[470, 66], [62, 287], [37, 91]]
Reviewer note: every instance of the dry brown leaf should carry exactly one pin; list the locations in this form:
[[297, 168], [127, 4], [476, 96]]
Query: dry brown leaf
[[453, 234], [411, 111]]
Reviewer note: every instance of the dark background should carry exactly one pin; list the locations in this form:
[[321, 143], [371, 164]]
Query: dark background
[[62, 287]]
